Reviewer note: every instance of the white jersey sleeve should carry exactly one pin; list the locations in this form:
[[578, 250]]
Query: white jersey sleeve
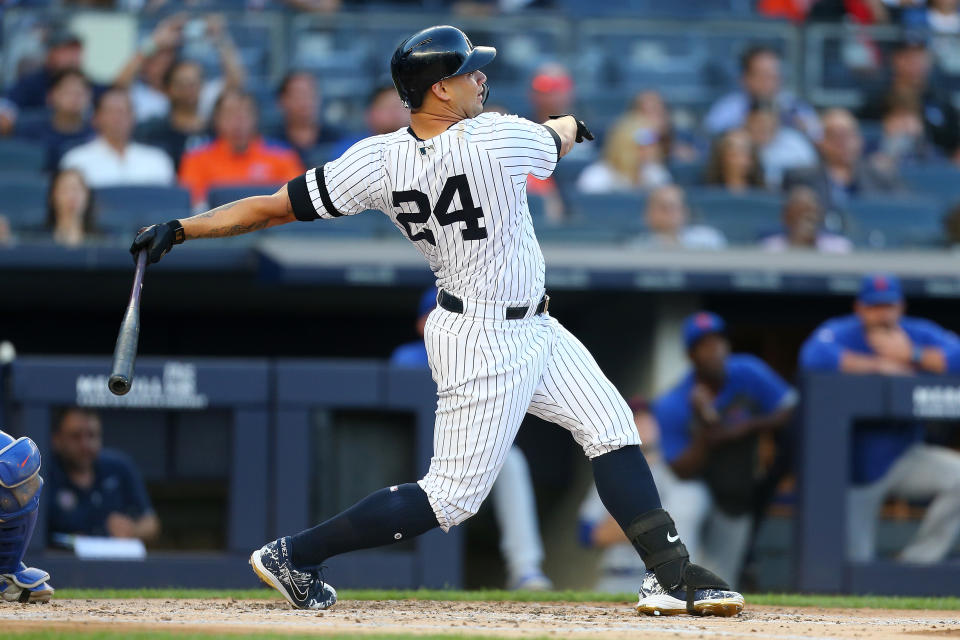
[[525, 147], [343, 187]]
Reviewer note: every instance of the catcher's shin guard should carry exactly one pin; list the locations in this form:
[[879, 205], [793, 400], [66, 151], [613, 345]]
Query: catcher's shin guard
[[29, 584], [20, 486]]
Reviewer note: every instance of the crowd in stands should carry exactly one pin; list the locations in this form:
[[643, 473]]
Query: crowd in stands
[[167, 120]]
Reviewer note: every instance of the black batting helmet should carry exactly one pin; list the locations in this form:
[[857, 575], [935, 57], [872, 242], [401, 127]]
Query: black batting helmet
[[432, 55]]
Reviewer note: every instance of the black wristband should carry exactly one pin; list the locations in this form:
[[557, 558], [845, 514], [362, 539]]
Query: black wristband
[[179, 236]]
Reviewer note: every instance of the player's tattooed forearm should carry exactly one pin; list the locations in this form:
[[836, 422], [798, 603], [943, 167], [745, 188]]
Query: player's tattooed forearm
[[232, 230], [215, 211]]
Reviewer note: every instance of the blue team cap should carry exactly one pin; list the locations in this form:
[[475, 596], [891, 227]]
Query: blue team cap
[[880, 288], [427, 302], [700, 324]]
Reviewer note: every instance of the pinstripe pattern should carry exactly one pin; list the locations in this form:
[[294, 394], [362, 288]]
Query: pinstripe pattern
[[489, 371], [496, 153]]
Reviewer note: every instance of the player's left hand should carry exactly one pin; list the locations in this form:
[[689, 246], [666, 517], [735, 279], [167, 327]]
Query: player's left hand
[[157, 240], [583, 133], [892, 344]]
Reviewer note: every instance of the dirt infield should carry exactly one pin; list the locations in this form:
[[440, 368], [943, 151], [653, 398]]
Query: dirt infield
[[516, 619]]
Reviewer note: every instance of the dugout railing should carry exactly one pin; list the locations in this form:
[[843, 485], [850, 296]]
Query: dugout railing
[[831, 405], [269, 456]]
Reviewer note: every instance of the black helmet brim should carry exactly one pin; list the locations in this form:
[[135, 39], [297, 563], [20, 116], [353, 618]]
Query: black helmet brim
[[478, 57]]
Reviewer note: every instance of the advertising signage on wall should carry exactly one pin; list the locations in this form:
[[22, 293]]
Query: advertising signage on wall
[[175, 388], [933, 401]]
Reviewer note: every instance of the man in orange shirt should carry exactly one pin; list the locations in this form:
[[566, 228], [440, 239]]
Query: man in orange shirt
[[238, 155]]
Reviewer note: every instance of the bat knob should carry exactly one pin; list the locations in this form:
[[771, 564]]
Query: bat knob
[[119, 385]]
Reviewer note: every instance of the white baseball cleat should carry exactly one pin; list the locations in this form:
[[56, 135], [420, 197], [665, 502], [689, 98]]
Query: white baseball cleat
[[657, 601]]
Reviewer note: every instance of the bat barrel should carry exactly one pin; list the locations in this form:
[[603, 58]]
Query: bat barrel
[[119, 384], [125, 352]]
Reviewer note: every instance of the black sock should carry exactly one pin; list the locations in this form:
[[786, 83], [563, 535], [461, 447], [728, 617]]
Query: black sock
[[625, 484], [384, 517]]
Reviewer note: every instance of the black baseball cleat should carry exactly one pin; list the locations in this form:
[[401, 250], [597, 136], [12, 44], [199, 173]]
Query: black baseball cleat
[[657, 601], [302, 589]]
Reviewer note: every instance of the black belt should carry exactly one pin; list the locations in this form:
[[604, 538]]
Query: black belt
[[453, 304]]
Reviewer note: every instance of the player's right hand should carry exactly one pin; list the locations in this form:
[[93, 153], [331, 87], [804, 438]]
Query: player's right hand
[[157, 240], [583, 133]]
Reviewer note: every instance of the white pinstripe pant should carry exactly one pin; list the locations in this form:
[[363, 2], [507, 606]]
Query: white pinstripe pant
[[489, 373]]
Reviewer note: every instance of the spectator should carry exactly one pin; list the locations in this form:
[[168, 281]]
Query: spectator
[[903, 140], [94, 491], [64, 53], [842, 173], [144, 73], [6, 235], [941, 17], [778, 147], [183, 84], [238, 155], [667, 219], [385, 114], [112, 159], [303, 128], [632, 160], [710, 428], [166, 39], [951, 227], [552, 93], [803, 226], [621, 569], [70, 208], [734, 165], [67, 125], [911, 68], [760, 80], [673, 147], [514, 504], [892, 459]]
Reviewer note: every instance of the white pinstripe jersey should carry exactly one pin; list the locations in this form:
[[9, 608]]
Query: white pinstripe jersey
[[460, 197]]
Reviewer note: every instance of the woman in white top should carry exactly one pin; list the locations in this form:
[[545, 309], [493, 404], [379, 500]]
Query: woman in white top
[[632, 160]]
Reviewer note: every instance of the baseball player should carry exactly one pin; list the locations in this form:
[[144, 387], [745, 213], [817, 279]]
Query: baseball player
[[20, 486], [454, 183]]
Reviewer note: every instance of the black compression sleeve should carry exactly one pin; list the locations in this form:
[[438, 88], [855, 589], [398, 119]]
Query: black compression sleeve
[[300, 199]]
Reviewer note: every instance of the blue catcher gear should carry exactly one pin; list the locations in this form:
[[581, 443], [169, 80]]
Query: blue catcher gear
[[20, 486]]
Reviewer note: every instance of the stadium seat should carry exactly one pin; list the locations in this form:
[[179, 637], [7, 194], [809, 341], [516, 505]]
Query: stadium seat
[[934, 180], [121, 210], [567, 172], [218, 196], [620, 212], [21, 155], [24, 201], [896, 222], [743, 218]]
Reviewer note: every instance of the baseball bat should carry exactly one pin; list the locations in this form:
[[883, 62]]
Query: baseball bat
[[125, 353]]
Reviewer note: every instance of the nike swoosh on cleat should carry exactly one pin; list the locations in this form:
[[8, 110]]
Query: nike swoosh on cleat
[[296, 590], [673, 538]]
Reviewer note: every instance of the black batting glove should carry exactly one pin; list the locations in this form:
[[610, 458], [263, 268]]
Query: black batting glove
[[157, 240], [582, 132]]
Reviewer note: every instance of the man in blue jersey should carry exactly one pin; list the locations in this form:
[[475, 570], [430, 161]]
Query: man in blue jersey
[[710, 424], [892, 459]]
